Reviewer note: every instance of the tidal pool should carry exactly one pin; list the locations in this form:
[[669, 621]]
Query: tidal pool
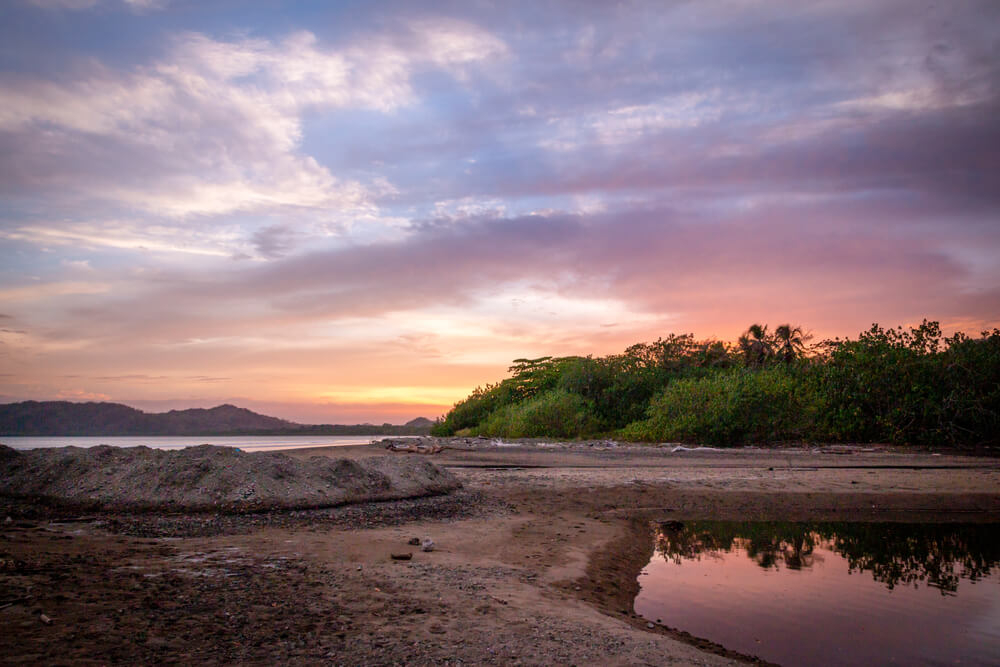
[[830, 593]]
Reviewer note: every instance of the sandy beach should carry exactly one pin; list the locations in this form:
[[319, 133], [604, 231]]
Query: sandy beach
[[535, 559]]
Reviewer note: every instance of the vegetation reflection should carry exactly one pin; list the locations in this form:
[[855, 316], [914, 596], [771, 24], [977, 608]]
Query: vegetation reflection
[[938, 555]]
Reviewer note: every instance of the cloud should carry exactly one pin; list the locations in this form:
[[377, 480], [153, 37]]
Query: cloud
[[64, 4], [77, 264], [146, 5], [217, 240], [216, 126], [644, 266], [54, 289], [138, 6], [80, 395], [274, 241]]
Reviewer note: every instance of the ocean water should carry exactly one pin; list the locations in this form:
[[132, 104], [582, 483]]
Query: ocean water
[[254, 443]]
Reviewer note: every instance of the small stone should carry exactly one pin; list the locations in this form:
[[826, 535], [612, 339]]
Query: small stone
[[414, 542], [45, 619], [427, 544], [402, 556], [650, 626]]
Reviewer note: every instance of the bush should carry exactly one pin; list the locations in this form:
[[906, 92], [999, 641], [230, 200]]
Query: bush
[[618, 388], [887, 386], [733, 407], [971, 401], [555, 414], [474, 409]]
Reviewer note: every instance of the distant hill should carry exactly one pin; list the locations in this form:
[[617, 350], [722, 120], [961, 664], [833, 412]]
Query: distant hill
[[66, 418], [63, 418]]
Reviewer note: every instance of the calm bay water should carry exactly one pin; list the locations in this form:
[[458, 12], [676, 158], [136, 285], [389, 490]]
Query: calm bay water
[[833, 593], [256, 443]]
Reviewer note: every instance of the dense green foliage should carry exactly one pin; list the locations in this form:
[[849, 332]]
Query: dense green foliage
[[555, 413], [735, 407], [889, 385]]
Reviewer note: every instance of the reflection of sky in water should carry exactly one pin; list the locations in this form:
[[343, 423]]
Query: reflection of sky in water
[[822, 613]]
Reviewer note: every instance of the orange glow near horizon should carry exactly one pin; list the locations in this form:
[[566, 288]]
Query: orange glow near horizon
[[379, 386]]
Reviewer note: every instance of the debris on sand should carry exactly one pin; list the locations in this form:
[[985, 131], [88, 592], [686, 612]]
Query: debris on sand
[[413, 446], [209, 477]]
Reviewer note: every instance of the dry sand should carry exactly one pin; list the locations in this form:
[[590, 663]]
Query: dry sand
[[535, 561]]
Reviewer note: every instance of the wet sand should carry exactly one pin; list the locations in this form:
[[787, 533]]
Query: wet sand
[[535, 560]]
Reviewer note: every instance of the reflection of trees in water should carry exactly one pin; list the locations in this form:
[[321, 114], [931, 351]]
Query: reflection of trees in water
[[796, 553], [894, 553]]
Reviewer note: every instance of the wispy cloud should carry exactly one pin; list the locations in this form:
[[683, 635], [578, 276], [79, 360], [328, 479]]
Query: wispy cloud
[[216, 126]]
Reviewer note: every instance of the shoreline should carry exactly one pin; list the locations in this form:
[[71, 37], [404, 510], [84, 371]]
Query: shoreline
[[535, 560]]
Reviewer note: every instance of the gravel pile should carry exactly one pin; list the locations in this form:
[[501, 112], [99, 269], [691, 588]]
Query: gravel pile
[[211, 478]]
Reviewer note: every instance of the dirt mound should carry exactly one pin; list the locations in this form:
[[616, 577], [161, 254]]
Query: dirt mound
[[211, 478]]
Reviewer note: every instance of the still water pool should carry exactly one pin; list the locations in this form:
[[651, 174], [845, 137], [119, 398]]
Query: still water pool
[[831, 593]]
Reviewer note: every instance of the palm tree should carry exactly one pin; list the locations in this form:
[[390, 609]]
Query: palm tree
[[755, 343], [790, 341]]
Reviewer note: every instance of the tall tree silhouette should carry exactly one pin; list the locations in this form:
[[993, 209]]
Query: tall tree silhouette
[[790, 342], [755, 343]]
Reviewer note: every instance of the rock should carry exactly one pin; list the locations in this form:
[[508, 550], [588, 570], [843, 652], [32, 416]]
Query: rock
[[650, 626], [45, 619], [427, 544], [414, 542], [402, 556]]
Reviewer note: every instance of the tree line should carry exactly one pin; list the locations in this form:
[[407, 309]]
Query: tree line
[[894, 385]]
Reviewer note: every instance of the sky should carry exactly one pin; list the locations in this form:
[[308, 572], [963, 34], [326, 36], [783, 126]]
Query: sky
[[341, 212]]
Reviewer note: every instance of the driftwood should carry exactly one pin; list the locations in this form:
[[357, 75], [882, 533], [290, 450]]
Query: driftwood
[[412, 448]]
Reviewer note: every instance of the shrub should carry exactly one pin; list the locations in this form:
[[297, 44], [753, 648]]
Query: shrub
[[474, 409], [555, 414], [886, 386], [732, 407], [618, 388]]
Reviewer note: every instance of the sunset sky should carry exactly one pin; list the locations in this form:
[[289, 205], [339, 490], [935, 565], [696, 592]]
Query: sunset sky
[[358, 211]]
